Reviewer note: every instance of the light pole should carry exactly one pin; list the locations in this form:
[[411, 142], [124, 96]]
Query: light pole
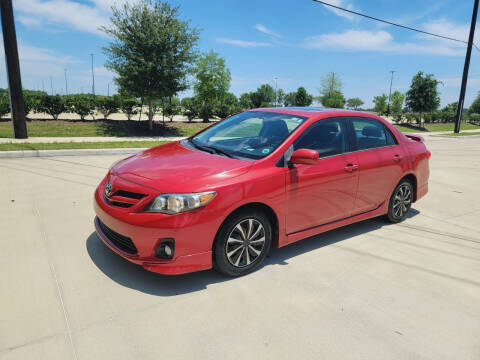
[[51, 86], [93, 78], [390, 94], [66, 86], [108, 89], [465, 68], [17, 103], [276, 86]]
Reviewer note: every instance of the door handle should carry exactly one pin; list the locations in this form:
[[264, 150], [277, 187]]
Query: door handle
[[397, 158], [351, 168]]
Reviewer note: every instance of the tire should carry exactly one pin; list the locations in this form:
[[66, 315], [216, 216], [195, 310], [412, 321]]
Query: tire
[[242, 243], [400, 202]]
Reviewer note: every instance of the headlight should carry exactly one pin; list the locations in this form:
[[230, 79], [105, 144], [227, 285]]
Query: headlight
[[177, 203]]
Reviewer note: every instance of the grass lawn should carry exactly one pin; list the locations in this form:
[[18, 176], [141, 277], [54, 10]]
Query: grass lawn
[[80, 145], [62, 128], [438, 127]]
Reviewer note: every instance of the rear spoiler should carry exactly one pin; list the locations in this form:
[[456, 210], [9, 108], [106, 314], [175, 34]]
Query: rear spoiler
[[416, 138]]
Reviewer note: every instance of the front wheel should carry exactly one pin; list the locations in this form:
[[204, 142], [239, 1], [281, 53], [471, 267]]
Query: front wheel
[[400, 202], [242, 243]]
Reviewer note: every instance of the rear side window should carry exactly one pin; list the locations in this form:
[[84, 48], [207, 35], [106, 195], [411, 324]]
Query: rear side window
[[326, 136], [371, 134]]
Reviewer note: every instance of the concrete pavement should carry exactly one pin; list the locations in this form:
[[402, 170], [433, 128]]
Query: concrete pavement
[[367, 291]]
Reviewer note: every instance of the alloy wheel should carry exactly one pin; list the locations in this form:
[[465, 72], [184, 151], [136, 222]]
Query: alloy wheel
[[245, 243], [402, 200]]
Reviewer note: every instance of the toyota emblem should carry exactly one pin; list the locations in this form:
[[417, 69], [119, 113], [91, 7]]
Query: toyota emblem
[[108, 189]]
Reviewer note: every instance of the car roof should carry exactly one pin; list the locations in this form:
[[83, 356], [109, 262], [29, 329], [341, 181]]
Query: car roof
[[313, 111]]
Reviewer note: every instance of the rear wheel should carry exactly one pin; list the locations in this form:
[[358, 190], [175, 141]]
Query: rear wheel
[[242, 243], [400, 202]]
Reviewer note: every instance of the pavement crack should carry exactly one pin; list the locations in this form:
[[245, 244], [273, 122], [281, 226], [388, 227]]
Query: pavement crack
[[55, 277]]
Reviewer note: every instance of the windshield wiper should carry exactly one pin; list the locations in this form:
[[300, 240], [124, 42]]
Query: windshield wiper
[[210, 149]]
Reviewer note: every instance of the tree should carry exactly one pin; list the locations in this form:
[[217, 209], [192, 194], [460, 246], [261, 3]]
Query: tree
[[4, 104], [380, 104], [81, 104], [152, 50], [191, 107], [171, 107], [449, 112], [245, 101], [263, 97], [289, 99], [475, 107], [53, 105], [302, 98], [280, 97], [335, 100], [331, 95], [354, 103], [423, 94], [228, 106], [212, 82], [397, 99], [108, 105], [129, 107]]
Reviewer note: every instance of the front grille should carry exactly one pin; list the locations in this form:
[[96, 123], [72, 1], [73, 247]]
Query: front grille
[[123, 198], [117, 203], [129, 194], [122, 242]]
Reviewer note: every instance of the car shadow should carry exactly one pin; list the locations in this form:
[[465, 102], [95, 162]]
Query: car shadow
[[135, 277]]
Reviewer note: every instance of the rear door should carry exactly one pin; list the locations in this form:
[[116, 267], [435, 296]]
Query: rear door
[[324, 192], [381, 160]]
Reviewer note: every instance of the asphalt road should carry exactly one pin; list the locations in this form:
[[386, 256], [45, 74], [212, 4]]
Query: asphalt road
[[367, 291]]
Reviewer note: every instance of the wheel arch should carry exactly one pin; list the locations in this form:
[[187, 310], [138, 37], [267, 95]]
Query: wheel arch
[[413, 179], [272, 216]]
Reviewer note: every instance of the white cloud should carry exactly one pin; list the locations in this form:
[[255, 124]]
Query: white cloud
[[73, 14], [29, 21], [267, 31], [378, 41], [242, 43], [339, 12]]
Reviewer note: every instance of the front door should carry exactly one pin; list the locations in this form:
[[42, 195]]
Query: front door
[[325, 192]]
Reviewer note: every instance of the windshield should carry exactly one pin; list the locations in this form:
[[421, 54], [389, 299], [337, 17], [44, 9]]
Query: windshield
[[249, 134]]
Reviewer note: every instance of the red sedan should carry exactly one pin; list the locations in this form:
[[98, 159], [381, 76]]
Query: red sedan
[[261, 178]]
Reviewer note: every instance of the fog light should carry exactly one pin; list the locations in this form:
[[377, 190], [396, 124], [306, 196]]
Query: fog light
[[165, 249]]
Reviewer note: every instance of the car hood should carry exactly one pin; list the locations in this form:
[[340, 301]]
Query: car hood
[[176, 168]]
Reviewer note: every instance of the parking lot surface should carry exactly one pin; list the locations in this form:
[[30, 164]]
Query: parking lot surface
[[367, 291]]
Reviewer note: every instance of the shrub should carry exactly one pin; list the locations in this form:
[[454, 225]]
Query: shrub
[[129, 107], [191, 107], [228, 106], [81, 104], [4, 105], [475, 118], [108, 105], [53, 105], [171, 107]]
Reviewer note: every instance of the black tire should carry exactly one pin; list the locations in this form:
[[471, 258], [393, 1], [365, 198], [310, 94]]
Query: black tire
[[233, 251], [400, 202]]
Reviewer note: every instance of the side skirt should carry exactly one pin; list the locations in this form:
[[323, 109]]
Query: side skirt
[[291, 238]]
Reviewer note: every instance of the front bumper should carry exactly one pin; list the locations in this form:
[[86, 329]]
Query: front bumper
[[193, 232], [180, 265]]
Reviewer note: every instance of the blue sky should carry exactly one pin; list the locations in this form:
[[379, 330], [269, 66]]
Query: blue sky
[[297, 41]]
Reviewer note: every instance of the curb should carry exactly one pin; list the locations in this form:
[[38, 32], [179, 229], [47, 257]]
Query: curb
[[67, 152]]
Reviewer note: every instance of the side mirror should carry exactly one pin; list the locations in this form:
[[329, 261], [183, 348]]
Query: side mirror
[[304, 156]]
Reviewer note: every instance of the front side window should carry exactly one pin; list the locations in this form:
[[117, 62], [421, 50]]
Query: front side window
[[371, 134], [251, 134], [326, 136]]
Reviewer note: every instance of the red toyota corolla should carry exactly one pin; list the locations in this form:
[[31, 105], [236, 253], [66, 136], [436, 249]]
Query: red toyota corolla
[[261, 178]]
